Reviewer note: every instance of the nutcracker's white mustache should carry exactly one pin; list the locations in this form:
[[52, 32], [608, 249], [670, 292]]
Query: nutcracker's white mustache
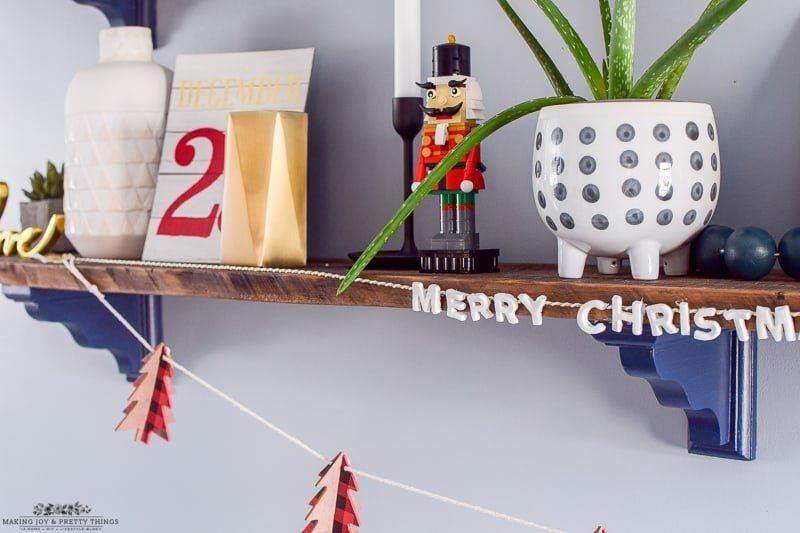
[[445, 111]]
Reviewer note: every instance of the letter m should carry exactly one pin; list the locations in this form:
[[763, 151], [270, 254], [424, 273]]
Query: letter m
[[426, 300]]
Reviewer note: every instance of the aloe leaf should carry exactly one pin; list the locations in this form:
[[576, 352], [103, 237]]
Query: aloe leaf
[[605, 17], [668, 89], [587, 65], [557, 80], [655, 76], [462, 149], [620, 57]]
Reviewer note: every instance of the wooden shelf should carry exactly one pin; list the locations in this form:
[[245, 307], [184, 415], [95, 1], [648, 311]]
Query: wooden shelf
[[231, 284]]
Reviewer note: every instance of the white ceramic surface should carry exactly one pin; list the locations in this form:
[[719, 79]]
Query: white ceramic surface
[[115, 117], [626, 179]]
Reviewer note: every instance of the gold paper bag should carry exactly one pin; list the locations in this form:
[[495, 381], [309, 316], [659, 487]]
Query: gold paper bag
[[264, 202]]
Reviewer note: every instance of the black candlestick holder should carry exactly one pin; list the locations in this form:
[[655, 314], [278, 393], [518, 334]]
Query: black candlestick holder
[[407, 118]]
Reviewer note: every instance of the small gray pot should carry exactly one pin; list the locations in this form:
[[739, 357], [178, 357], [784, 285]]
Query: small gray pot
[[37, 215]]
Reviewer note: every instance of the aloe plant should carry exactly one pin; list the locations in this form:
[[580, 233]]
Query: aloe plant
[[613, 79], [47, 186]]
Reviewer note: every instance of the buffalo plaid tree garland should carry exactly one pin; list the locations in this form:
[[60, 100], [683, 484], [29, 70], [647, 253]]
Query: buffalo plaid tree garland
[[149, 410], [334, 508]]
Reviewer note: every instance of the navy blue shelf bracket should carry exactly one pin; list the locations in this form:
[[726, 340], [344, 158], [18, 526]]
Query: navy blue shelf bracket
[[714, 382], [92, 326], [127, 12]]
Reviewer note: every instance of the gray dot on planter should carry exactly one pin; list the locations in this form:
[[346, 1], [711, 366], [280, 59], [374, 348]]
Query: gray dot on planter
[[711, 131], [689, 217], [629, 159], [692, 131], [631, 187], [591, 193], [558, 165], [600, 222], [696, 160], [708, 218], [542, 201], [713, 192], [714, 162], [663, 157], [537, 169], [539, 140], [697, 191], [560, 192], [566, 221], [587, 164], [551, 223], [666, 196], [661, 132], [634, 217], [664, 217], [625, 133], [587, 135], [557, 136]]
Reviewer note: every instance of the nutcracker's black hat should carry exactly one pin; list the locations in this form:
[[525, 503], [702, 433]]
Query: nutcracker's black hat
[[451, 58]]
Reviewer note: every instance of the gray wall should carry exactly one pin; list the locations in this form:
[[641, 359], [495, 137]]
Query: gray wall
[[537, 422]]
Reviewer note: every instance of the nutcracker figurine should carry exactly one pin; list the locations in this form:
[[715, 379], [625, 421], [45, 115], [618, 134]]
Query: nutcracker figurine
[[453, 105]]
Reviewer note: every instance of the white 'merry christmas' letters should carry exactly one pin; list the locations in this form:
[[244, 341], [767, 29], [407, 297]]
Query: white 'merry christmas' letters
[[777, 323]]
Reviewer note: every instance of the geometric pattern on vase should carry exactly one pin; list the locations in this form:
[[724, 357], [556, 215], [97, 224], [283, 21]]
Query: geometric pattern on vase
[[115, 115]]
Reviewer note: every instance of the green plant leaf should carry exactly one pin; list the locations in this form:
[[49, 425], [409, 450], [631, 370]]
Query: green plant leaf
[[30, 196], [620, 57], [573, 41], [462, 149], [560, 85], [52, 171], [605, 18], [655, 76], [668, 89]]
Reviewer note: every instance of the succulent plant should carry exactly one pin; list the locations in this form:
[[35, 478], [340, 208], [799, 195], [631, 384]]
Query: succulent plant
[[46, 187], [612, 80]]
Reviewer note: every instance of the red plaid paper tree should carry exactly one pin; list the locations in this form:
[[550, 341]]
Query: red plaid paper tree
[[149, 410], [334, 508]]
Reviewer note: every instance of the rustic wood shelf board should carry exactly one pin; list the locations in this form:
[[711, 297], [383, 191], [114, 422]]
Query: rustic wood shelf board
[[216, 283]]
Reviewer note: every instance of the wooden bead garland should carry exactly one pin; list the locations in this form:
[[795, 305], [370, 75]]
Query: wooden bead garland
[[748, 253]]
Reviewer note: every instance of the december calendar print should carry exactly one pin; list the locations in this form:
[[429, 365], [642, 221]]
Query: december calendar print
[[187, 216]]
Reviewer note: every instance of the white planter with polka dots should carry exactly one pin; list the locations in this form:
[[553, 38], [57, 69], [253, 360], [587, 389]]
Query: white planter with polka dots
[[634, 179]]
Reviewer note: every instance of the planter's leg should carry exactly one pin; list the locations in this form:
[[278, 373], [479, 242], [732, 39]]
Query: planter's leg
[[714, 382], [92, 326], [127, 12]]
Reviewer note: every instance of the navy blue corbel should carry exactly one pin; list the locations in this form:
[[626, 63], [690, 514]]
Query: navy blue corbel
[[714, 382], [127, 12], [92, 326]]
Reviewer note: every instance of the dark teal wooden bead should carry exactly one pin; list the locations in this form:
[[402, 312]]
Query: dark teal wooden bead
[[707, 251], [750, 253], [789, 250]]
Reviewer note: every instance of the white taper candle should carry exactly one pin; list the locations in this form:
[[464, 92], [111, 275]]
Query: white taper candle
[[407, 48]]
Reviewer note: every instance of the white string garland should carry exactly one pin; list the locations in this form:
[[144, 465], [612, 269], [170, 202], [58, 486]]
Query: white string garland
[[315, 273], [69, 261]]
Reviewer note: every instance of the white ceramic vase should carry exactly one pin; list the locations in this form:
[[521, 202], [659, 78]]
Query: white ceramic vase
[[115, 118], [626, 179]]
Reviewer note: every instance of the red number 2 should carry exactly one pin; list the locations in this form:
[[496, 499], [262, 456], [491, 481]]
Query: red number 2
[[184, 155]]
